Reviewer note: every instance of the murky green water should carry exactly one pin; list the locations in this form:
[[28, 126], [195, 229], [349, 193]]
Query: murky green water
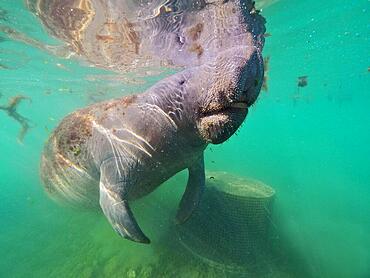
[[311, 144]]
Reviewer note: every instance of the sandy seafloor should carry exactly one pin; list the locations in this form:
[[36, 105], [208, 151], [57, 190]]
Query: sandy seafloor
[[311, 145]]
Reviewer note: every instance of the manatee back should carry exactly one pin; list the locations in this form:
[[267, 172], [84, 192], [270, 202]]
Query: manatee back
[[67, 169]]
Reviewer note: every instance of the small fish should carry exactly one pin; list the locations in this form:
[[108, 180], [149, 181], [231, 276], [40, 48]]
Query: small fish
[[266, 35]]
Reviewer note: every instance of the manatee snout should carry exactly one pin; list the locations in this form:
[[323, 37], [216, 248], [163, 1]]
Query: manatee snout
[[224, 105], [251, 79]]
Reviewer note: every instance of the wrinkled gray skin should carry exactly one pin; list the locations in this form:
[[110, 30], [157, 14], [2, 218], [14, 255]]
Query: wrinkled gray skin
[[117, 151]]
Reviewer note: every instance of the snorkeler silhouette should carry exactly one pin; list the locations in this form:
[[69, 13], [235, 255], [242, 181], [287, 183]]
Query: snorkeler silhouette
[[11, 110]]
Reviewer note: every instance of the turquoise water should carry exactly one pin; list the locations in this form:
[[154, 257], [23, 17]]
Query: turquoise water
[[311, 144]]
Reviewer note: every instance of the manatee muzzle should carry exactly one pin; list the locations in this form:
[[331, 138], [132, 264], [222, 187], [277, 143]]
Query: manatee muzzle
[[217, 126]]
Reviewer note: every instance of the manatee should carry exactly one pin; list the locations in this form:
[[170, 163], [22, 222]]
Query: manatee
[[140, 35], [114, 152]]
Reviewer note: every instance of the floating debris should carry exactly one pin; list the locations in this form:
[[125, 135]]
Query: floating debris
[[61, 66], [266, 66], [4, 67], [11, 110], [302, 81], [96, 97], [65, 90]]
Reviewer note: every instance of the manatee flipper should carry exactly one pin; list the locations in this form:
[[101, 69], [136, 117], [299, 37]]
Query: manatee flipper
[[115, 207], [193, 191]]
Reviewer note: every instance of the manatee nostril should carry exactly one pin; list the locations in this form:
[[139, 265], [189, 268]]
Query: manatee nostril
[[180, 40]]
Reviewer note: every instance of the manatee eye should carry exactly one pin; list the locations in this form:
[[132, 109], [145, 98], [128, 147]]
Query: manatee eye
[[175, 18]]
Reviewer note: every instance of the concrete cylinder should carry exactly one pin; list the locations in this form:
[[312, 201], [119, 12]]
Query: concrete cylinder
[[232, 224]]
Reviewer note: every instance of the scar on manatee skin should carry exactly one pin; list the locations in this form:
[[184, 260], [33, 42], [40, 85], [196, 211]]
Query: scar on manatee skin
[[266, 65], [196, 48], [121, 103], [104, 38], [11, 110], [132, 35], [194, 32]]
